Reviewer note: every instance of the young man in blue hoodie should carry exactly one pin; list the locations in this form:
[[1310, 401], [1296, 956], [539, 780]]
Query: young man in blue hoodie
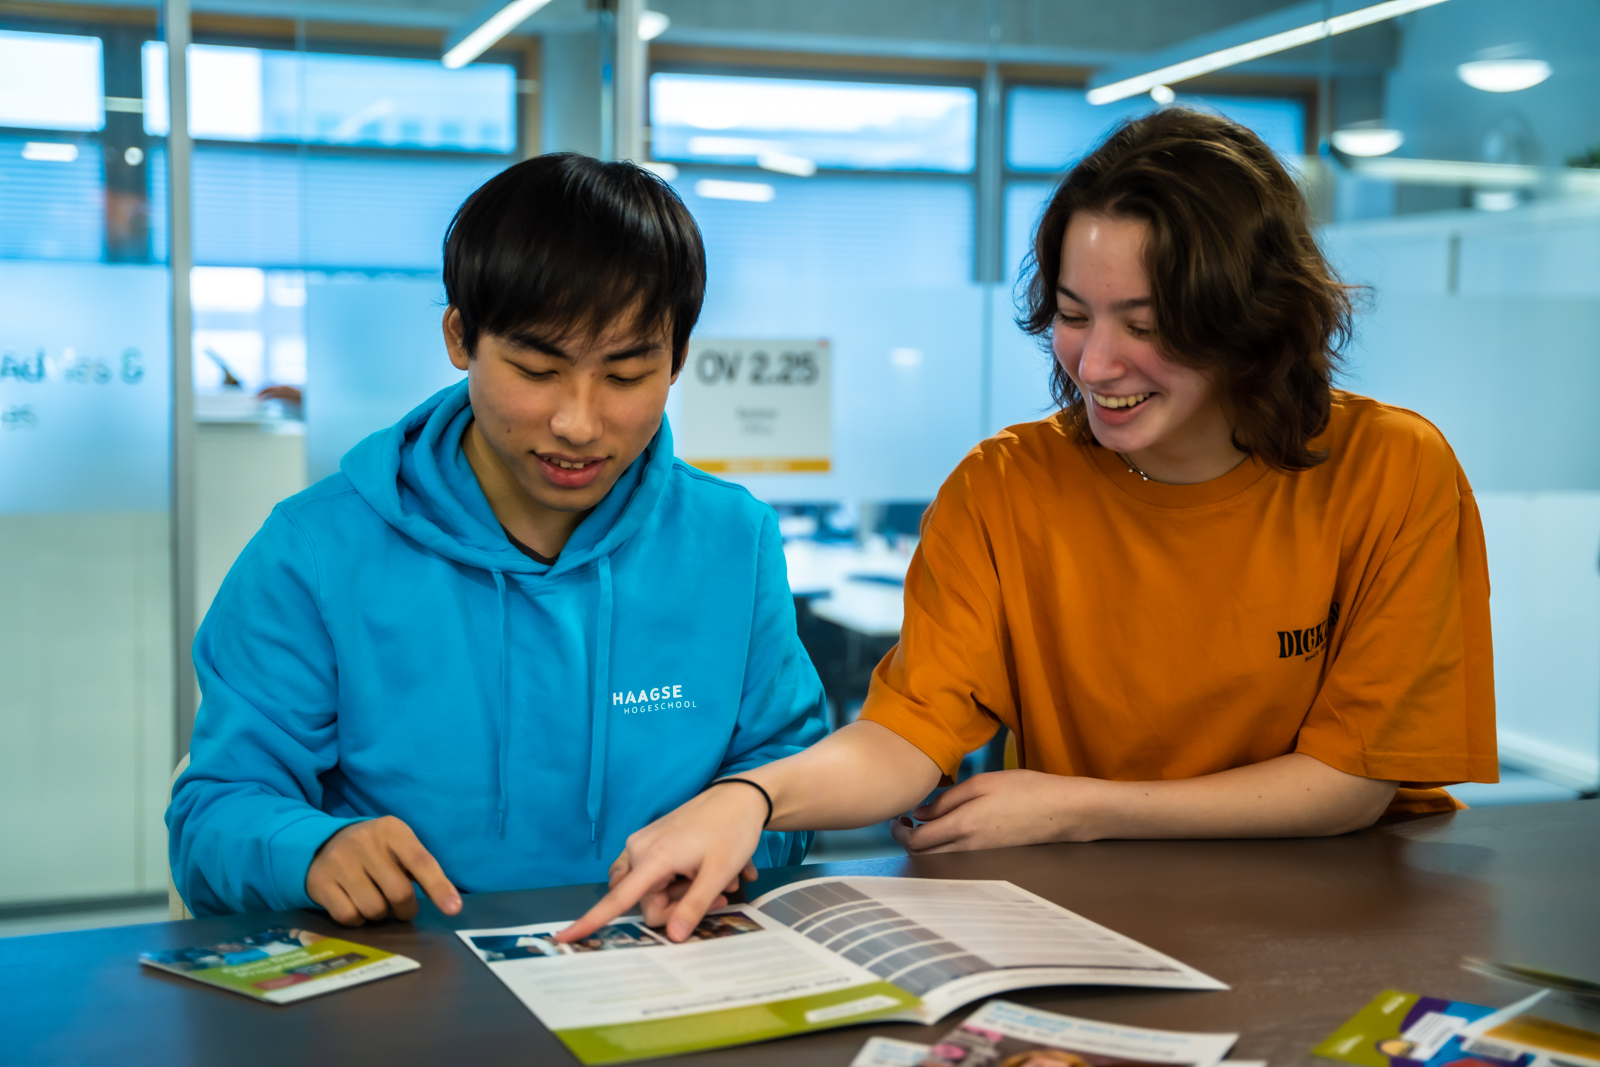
[[513, 629]]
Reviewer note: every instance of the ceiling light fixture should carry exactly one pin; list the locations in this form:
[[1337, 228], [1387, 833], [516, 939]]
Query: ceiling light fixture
[[665, 171], [749, 192], [490, 24], [1367, 141], [784, 163], [652, 24], [50, 152], [1503, 75], [1264, 46], [1162, 94]]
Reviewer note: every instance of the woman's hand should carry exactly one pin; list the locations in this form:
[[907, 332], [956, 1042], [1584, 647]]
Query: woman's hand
[[1003, 808], [684, 864]]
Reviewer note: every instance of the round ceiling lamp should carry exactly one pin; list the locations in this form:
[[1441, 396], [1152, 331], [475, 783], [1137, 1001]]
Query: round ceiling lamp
[[1367, 141], [1503, 75]]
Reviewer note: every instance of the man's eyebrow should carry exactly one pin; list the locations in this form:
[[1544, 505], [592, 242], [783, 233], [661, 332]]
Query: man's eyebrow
[[1120, 305], [643, 348], [528, 339]]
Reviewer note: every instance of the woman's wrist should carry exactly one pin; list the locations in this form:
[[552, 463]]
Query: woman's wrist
[[1089, 809]]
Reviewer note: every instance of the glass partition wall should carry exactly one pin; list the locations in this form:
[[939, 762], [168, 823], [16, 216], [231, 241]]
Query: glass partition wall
[[323, 175], [86, 720]]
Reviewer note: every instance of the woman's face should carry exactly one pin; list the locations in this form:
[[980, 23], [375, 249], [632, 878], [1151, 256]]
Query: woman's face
[[1104, 338]]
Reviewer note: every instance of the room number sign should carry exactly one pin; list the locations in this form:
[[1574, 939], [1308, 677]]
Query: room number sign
[[756, 407]]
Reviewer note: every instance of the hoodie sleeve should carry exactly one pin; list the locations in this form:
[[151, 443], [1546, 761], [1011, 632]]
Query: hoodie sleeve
[[782, 707], [244, 821]]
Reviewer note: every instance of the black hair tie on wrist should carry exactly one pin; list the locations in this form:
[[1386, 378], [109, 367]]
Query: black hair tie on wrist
[[753, 785]]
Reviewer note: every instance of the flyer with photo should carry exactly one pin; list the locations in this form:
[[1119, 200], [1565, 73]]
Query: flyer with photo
[[280, 965], [1002, 1034], [1404, 1030], [627, 993]]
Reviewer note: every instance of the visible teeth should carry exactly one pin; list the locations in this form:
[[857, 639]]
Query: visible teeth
[[1119, 401], [564, 465]]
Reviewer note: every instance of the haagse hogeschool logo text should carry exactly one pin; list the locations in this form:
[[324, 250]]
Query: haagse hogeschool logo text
[[656, 698]]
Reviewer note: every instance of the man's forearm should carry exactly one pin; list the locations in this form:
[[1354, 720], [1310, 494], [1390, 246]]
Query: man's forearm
[[1289, 796], [862, 774]]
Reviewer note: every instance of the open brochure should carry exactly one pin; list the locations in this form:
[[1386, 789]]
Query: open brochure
[[280, 965], [1002, 1034], [811, 955]]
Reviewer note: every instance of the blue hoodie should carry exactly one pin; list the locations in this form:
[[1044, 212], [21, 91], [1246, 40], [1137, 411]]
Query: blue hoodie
[[381, 648]]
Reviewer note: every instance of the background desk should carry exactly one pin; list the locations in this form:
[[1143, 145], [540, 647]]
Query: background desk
[[1306, 932]]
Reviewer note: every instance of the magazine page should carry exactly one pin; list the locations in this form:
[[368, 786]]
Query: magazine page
[[626, 992], [951, 941], [280, 965], [1002, 1034]]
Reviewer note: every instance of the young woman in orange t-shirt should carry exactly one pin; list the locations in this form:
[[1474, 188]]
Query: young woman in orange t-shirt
[[1213, 597]]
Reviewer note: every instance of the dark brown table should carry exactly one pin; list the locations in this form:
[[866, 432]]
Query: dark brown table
[[1305, 932]]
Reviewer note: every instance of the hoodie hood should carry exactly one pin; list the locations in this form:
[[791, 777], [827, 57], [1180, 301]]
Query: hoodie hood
[[417, 478], [415, 475]]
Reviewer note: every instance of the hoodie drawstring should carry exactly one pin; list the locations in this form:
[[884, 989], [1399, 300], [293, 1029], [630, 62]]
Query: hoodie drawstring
[[505, 703], [602, 703]]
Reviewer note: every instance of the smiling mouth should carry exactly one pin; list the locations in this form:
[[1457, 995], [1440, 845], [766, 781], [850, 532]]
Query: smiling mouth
[[572, 465], [1120, 402]]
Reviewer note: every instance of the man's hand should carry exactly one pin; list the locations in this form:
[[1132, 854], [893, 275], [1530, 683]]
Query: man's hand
[[1000, 809], [365, 872], [684, 864]]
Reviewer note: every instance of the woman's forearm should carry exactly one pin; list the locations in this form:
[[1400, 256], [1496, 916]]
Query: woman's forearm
[[857, 776], [1290, 796]]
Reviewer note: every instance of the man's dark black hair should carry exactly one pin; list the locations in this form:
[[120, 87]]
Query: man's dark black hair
[[568, 243]]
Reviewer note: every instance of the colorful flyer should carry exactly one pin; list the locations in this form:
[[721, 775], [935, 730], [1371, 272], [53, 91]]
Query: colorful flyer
[[280, 965], [1406, 1030], [1003, 1034]]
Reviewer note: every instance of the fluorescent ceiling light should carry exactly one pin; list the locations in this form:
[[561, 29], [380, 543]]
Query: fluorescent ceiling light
[[50, 152], [490, 30], [1503, 75], [1494, 199], [750, 192], [665, 171], [702, 145], [652, 24], [1367, 141], [1265, 46], [1162, 94], [784, 163]]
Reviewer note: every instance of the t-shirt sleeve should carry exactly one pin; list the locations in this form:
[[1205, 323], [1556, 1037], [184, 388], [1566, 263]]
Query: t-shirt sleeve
[[1409, 693], [944, 687]]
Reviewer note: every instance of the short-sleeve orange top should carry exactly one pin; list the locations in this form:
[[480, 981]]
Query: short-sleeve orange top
[[1125, 629]]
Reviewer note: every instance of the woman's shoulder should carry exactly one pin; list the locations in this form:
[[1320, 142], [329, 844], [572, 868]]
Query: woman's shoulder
[[1384, 453], [1026, 450], [1363, 429]]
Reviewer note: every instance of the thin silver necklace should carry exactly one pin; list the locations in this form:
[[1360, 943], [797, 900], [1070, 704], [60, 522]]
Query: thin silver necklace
[[1133, 468]]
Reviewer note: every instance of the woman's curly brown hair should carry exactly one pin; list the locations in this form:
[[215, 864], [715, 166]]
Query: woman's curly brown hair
[[1239, 288]]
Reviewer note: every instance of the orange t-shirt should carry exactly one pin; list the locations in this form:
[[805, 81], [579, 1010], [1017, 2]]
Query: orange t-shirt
[[1125, 629]]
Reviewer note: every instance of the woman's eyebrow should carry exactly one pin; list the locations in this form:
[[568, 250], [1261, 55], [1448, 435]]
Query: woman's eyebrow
[[1120, 305]]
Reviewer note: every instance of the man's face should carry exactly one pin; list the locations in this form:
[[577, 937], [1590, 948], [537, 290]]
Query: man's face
[[566, 413]]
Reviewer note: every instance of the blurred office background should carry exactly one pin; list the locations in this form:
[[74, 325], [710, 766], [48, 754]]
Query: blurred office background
[[865, 171]]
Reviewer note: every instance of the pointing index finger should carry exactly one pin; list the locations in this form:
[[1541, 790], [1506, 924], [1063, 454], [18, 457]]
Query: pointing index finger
[[624, 895]]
